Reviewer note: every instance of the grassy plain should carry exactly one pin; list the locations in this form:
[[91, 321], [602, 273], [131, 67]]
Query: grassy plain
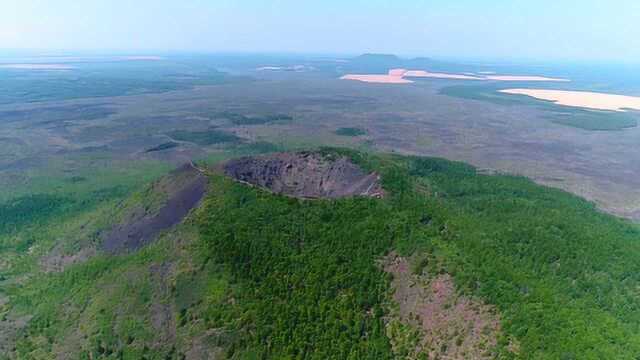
[[350, 132], [580, 118]]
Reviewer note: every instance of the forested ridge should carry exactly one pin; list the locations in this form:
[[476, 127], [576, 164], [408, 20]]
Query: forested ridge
[[267, 276], [563, 275]]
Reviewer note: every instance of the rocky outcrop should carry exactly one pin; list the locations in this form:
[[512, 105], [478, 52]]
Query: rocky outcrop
[[305, 175], [183, 189]]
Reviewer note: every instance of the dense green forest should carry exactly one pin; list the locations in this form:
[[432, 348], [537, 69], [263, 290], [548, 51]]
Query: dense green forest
[[266, 276], [349, 131]]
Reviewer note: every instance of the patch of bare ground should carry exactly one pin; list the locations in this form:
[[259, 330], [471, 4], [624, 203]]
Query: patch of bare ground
[[162, 310], [429, 319], [391, 78], [37, 66], [57, 260], [200, 348], [308, 175], [183, 189], [583, 99], [399, 76], [10, 326]]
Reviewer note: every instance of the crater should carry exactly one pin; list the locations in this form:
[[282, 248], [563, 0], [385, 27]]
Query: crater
[[308, 175]]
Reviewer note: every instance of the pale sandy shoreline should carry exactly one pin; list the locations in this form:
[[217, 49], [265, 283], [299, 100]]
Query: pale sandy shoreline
[[378, 79], [66, 66], [399, 76], [422, 73], [523, 78], [583, 99], [36, 66], [141, 58]]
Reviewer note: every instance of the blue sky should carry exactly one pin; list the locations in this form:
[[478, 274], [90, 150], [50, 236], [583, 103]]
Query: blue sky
[[490, 29]]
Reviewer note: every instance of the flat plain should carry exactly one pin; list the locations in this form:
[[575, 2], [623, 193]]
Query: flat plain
[[511, 135], [116, 182]]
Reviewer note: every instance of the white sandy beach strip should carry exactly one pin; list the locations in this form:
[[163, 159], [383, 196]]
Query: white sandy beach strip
[[141, 58], [399, 76], [426, 74], [522, 78], [380, 79], [584, 99], [36, 66], [269, 68]]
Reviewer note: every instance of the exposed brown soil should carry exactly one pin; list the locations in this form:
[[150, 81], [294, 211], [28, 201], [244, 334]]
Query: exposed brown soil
[[200, 349], [11, 324], [162, 311], [57, 260], [10, 328], [449, 325], [143, 225], [305, 175]]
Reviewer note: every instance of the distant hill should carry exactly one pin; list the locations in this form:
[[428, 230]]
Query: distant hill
[[377, 58], [374, 63], [382, 63]]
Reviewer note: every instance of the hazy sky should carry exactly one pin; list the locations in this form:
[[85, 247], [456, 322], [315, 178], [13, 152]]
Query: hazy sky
[[534, 29]]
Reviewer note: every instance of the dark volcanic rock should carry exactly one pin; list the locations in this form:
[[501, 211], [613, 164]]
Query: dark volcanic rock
[[142, 228], [305, 175]]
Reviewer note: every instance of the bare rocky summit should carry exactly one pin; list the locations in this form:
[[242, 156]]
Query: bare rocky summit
[[308, 175]]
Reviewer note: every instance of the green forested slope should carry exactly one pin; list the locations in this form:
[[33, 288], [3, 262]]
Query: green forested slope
[[264, 276]]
